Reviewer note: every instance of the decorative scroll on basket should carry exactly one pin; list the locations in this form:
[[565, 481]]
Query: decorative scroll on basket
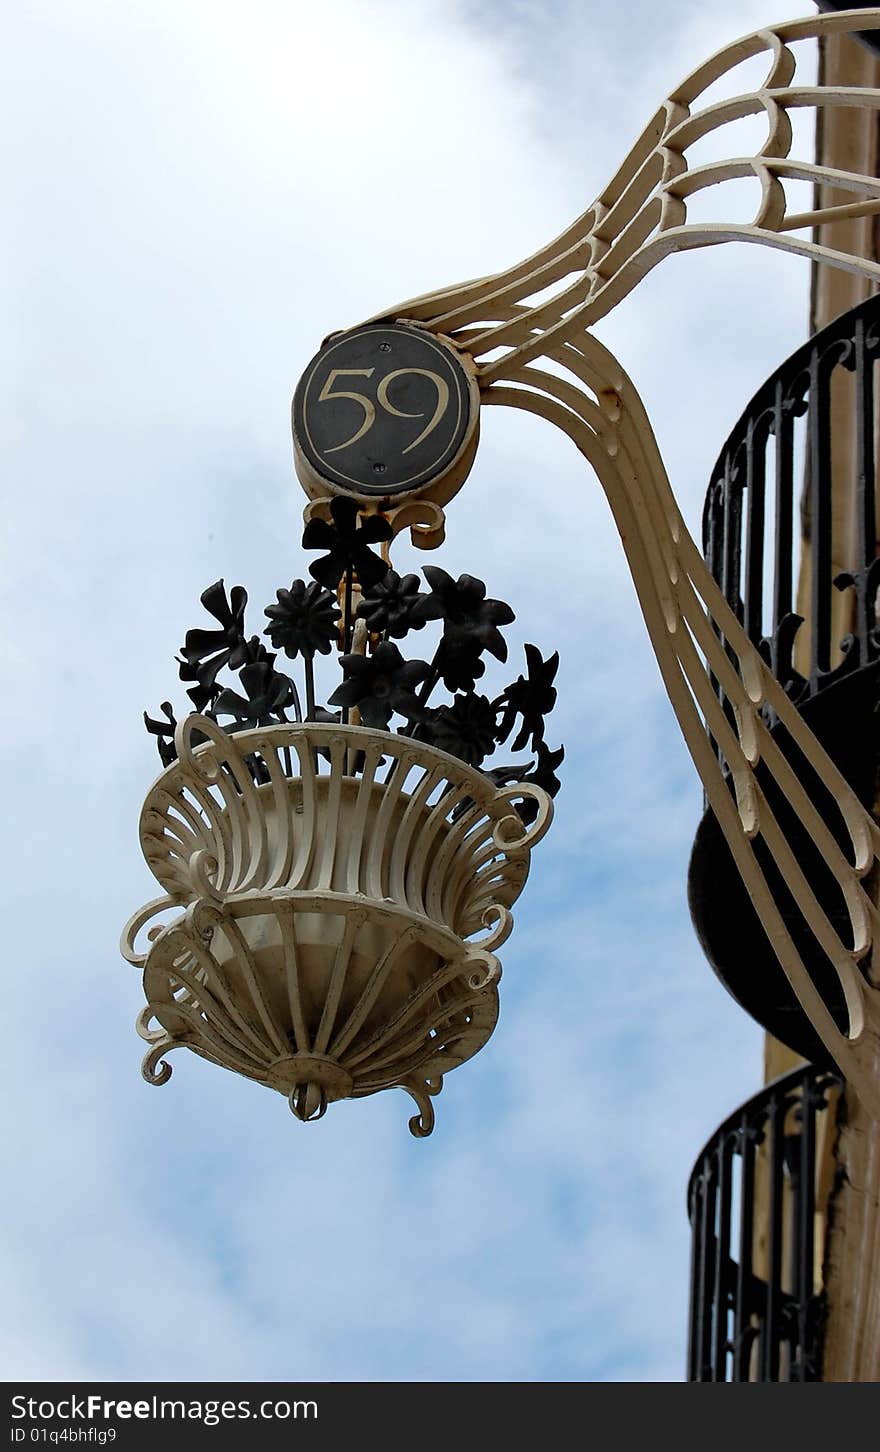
[[331, 880]]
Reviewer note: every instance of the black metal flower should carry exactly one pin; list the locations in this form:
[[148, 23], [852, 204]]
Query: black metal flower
[[304, 620], [380, 683], [470, 625], [465, 611], [164, 731], [206, 652], [269, 693], [531, 697], [460, 664], [347, 545], [394, 605], [465, 729]]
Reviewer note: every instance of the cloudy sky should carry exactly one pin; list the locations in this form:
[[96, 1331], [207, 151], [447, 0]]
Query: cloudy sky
[[197, 194]]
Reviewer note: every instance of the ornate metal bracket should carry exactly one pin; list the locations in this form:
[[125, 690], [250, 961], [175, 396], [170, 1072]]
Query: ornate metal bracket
[[719, 685]]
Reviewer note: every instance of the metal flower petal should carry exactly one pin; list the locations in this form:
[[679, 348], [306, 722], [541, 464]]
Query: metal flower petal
[[206, 691], [459, 664], [465, 729], [347, 545], [205, 652], [164, 731], [268, 694], [381, 684], [229, 612], [467, 614], [532, 697], [544, 775], [304, 620], [394, 605]]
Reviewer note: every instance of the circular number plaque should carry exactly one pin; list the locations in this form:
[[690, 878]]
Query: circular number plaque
[[383, 410]]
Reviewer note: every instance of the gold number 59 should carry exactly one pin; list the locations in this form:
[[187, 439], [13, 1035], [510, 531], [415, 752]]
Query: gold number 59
[[327, 393]]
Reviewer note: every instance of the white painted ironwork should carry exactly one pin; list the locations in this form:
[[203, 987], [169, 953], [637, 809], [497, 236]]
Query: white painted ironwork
[[507, 324]]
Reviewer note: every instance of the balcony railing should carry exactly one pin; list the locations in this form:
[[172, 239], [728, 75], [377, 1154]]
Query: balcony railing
[[749, 540], [757, 1304]]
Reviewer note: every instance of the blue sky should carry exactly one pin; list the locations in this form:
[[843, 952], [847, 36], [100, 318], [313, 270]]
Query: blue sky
[[199, 194]]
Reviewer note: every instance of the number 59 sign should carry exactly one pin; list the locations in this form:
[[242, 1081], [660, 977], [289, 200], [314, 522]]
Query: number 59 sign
[[385, 411]]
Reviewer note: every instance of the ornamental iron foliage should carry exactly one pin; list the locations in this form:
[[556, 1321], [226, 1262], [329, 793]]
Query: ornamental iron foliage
[[357, 606], [347, 542]]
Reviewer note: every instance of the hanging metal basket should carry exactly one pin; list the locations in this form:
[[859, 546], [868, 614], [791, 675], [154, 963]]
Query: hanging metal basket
[[332, 882]]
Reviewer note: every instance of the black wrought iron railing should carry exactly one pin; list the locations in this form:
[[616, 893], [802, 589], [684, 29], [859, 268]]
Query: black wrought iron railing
[[757, 1304], [751, 523]]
